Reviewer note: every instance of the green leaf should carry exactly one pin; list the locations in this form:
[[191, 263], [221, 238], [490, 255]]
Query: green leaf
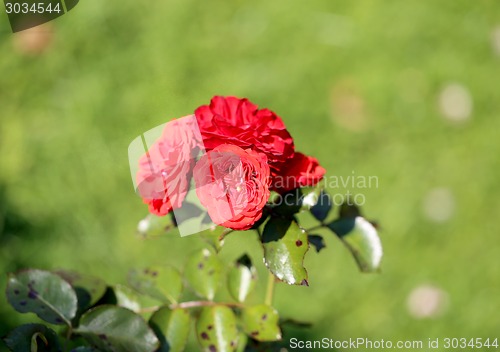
[[317, 241], [361, 238], [285, 245], [349, 210], [204, 272], [32, 337], [322, 208], [216, 329], [84, 349], [126, 298], [154, 226], [161, 283], [241, 278], [43, 293], [172, 328], [116, 329], [297, 200], [212, 236], [260, 322], [89, 289], [242, 342]]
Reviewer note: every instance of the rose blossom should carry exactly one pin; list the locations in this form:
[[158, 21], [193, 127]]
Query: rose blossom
[[300, 171], [233, 185], [240, 122], [230, 120], [165, 170]]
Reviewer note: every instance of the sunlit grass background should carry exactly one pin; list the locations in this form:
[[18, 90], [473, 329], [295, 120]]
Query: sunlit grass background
[[408, 91]]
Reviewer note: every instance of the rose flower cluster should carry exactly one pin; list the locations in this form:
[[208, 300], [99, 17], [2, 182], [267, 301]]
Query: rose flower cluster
[[246, 153]]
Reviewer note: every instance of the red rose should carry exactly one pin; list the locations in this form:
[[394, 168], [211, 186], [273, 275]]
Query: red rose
[[165, 170], [230, 120], [300, 171], [233, 185]]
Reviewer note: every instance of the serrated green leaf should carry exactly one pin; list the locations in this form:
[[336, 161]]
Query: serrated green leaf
[[126, 298], [204, 272], [43, 293], [32, 337], [260, 322], [172, 328], [361, 238], [241, 278], [161, 283], [322, 207], [216, 329], [285, 245], [116, 329], [153, 226]]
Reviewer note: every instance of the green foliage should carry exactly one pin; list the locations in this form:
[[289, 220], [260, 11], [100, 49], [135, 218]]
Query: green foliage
[[360, 237], [216, 329], [91, 286], [172, 328], [42, 293], [33, 337], [297, 200], [126, 297], [317, 241], [161, 283], [285, 245], [111, 328], [261, 322], [204, 272], [322, 207], [242, 278], [112, 317], [152, 226]]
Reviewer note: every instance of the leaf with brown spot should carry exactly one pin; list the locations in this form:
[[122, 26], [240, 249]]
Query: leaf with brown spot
[[163, 283], [204, 273], [261, 323], [43, 293], [285, 245], [223, 334]]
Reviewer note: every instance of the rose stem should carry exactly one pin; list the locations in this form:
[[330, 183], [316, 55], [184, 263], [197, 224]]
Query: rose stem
[[271, 280]]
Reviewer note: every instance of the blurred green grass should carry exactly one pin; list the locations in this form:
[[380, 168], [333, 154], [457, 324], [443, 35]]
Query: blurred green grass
[[357, 84]]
